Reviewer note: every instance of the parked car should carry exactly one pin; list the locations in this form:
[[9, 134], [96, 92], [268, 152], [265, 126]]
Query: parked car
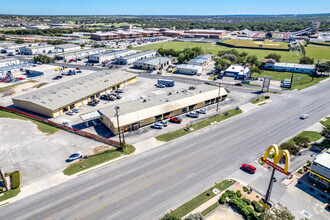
[[157, 126], [19, 78], [70, 113], [78, 59], [246, 81], [120, 90], [76, 110], [238, 84], [201, 111], [79, 71], [176, 120], [118, 96], [58, 77], [77, 68], [4, 80], [94, 102], [66, 124], [75, 156], [192, 115], [304, 116], [164, 123], [249, 168]]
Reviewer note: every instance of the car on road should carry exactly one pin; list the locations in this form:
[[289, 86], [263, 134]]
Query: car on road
[[160, 85], [304, 116], [75, 156], [201, 111], [157, 126], [238, 84], [249, 168], [192, 115], [176, 120]]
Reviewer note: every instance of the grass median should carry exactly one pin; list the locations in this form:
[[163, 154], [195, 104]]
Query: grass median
[[201, 199], [199, 125], [45, 128], [326, 122], [9, 194], [97, 159], [259, 99]]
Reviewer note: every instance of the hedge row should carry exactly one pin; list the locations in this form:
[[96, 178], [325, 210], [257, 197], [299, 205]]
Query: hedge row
[[15, 179], [257, 207]]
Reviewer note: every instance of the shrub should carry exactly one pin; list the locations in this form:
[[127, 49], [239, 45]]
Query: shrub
[[195, 216], [257, 207], [245, 189], [1, 189], [290, 147], [267, 97], [15, 179], [222, 199], [247, 201], [238, 194], [300, 171], [169, 216]]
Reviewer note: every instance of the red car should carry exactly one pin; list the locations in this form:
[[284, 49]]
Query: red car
[[4, 80], [19, 78], [249, 168], [176, 120]]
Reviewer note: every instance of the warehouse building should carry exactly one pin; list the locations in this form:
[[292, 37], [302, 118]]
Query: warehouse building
[[152, 63], [271, 64], [43, 70], [237, 71], [189, 69], [9, 62], [105, 36], [145, 111], [68, 47], [101, 57], [319, 172], [79, 54], [42, 49], [204, 33], [201, 60], [55, 100], [14, 69], [135, 57]]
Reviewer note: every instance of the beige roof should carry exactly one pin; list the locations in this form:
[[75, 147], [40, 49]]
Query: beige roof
[[42, 68], [63, 94], [138, 110]]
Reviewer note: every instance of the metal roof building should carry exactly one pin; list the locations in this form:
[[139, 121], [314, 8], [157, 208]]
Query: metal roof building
[[138, 113], [68, 47], [55, 100], [137, 56], [152, 63], [79, 53], [189, 69], [101, 57]]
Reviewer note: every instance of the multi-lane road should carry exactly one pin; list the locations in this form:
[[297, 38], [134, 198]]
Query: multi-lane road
[[148, 185]]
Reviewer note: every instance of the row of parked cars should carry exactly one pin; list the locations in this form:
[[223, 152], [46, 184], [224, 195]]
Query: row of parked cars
[[178, 120], [8, 80], [73, 111], [69, 73]]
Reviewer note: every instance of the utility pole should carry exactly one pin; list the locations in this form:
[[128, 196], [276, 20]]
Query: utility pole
[[218, 97], [117, 115], [291, 78]]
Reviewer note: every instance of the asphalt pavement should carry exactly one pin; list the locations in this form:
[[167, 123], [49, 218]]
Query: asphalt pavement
[[148, 185]]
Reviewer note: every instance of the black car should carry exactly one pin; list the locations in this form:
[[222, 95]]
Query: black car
[[94, 102], [238, 84], [57, 77]]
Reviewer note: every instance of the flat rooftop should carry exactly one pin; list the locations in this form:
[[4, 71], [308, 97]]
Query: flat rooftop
[[150, 106], [189, 67], [139, 54], [324, 159], [63, 94], [66, 46], [153, 60], [41, 68], [295, 65], [114, 52], [40, 46]]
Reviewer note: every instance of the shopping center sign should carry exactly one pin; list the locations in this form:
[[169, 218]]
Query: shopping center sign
[[277, 156]]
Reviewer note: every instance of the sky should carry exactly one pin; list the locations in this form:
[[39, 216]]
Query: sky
[[163, 7]]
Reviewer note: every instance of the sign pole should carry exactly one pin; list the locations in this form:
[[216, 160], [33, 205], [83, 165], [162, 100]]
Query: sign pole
[[270, 186], [3, 179]]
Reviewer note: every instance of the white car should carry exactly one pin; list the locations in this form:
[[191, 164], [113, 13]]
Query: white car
[[304, 116], [192, 114], [201, 111]]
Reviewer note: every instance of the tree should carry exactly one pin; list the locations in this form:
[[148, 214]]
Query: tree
[[19, 41], [278, 212], [232, 51], [221, 64], [323, 67], [162, 51], [129, 47], [326, 132], [306, 60], [252, 60], [301, 142], [169, 216], [274, 56], [290, 147], [43, 59], [231, 57], [56, 42], [82, 45], [195, 216], [198, 50], [2, 38], [254, 69]]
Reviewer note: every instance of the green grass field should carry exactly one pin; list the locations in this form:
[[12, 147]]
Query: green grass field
[[312, 135], [318, 52], [326, 122], [255, 44], [287, 56]]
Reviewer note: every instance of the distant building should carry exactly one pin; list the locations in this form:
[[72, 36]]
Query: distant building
[[9, 62], [42, 70], [38, 27], [61, 26], [101, 57], [204, 33], [237, 71], [319, 171], [135, 57], [105, 36], [68, 47], [271, 64], [57, 99], [145, 111], [42, 49], [189, 69], [152, 63], [14, 68], [79, 53]]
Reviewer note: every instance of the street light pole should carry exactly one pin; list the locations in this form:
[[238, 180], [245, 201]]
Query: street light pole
[[117, 115], [218, 97]]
